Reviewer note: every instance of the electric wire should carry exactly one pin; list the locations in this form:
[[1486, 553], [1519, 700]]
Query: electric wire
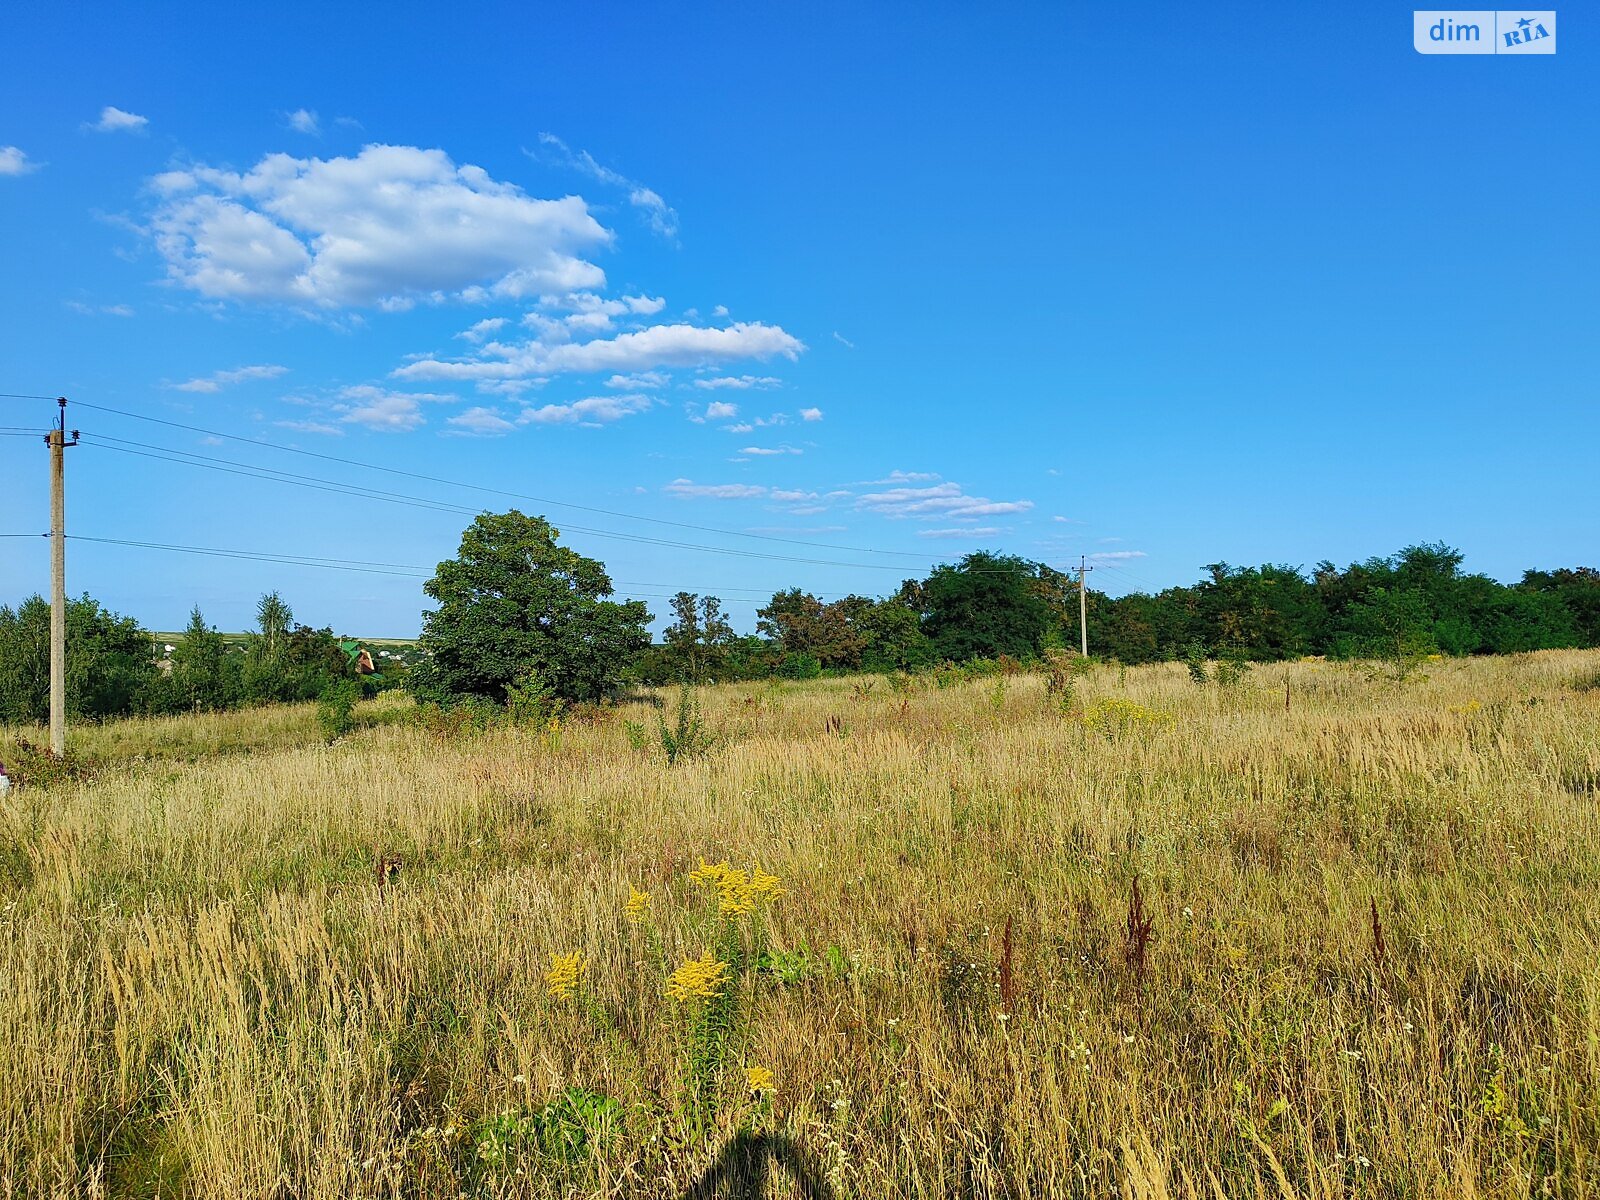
[[499, 491]]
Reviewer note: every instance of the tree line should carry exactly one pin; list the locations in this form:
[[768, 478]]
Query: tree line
[[522, 621], [115, 668]]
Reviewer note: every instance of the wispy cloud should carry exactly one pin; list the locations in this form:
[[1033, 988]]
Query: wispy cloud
[[114, 120], [765, 451], [811, 414], [109, 310], [644, 349], [639, 381], [1118, 555], [303, 120], [481, 422], [218, 380], [687, 489], [321, 427], [842, 340], [985, 531], [738, 382], [944, 500], [383, 412], [657, 213], [591, 410], [15, 162]]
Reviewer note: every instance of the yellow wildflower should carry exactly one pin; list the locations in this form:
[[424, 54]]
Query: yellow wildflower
[[711, 874], [1467, 709], [766, 886], [701, 978], [638, 904], [565, 973], [760, 1079]]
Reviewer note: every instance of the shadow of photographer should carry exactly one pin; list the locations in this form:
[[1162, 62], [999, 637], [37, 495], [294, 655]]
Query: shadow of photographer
[[742, 1169]]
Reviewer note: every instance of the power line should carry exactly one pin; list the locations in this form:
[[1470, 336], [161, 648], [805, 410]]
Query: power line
[[496, 491], [272, 474], [403, 570]]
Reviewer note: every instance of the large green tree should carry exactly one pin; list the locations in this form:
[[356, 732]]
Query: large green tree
[[986, 605], [514, 606]]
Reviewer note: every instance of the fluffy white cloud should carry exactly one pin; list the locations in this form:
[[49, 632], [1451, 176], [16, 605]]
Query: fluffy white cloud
[[655, 346], [738, 381], [218, 380], [392, 226], [592, 410], [792, 497], [721, 410], [811, 414], [15, 162], [687, 489], [386, 412], [114, 120], [977, 532], [303, 120], [1116, 555], [484, 422], [944, 500]]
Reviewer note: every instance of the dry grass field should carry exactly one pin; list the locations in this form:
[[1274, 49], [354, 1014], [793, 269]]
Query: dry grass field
[[1364, 958]]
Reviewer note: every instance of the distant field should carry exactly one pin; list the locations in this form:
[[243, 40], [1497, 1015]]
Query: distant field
[[1364, 959]]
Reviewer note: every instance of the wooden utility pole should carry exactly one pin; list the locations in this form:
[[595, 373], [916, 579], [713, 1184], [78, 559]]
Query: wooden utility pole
[[57, 439], [1083, 601]]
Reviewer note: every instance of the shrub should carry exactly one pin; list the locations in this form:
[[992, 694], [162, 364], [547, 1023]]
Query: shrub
[[336, 708]]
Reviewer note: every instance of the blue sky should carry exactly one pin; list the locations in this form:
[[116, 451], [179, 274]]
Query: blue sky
[[1160, 285]]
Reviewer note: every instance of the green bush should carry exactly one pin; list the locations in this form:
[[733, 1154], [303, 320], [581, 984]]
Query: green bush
[[336, 708]]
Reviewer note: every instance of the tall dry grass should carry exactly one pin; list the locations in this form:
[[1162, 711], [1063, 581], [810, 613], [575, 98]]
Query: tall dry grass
[[1371, 967]]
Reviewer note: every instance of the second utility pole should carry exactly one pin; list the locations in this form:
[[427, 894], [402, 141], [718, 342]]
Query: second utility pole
[[1083, 602], [57, 440]]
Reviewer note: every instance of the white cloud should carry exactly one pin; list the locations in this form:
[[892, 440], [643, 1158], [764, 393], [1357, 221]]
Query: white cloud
[[654, 346], [218, 380], [742, 427], [392, 226], [641, 380], [311, 427], [738, 381], [764, 451], [984, 531], [811, 414], [687, 489], [720, 310], [485, 422], [376, 409], [658, 214], [478, 332], [788, 529], [110, 310], [842, 340], [114, 120], [721, 410], [592, 410], [1116, 555], [1066, 520], [15, 162], [897, 477], [791, 497], [303, 120], [944, 500]]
